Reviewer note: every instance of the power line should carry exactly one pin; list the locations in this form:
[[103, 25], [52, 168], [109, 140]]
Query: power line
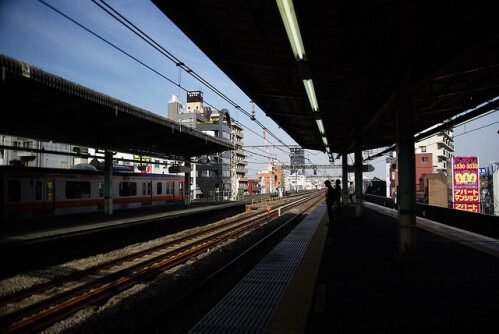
[[137, 60], [137, 31], [466, 132]]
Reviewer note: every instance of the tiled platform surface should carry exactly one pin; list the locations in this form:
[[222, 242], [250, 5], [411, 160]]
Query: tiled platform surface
[[351, 281], [363, 287]]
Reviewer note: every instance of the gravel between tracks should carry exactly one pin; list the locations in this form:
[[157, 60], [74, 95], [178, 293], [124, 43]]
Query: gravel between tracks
[[130, 310]]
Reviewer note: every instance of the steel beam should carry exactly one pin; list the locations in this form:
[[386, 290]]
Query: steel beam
[[407, 174]]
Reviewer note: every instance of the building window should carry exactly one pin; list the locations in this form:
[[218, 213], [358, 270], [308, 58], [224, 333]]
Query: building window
[[424, 159], [77, 189], [422, 148]]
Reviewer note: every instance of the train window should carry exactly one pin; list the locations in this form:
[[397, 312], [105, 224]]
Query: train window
[[101, 189], [77, 189], [159, 188], [149, 188], [128, 189], [143, 188], [38, 190], [14, 190], [180, 186]]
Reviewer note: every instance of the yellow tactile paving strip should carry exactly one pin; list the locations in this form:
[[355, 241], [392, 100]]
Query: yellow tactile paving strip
[[291, 314]]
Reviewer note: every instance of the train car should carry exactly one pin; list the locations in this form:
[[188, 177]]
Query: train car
[[31, 192]]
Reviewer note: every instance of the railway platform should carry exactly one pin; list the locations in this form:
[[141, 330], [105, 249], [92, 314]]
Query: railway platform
[[49, 229], [347, 278]]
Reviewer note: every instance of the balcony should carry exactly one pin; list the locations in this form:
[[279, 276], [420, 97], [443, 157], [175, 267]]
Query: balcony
[[443, 153], [241, 170], [446, 133], [239, 151], [445, 142], [441, 167]]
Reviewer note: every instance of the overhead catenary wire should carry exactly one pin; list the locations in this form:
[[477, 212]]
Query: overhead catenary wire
[[144, 36], [472, 130], [139, 61]]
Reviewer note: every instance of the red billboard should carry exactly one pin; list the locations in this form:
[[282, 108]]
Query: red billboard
[[465, 184]]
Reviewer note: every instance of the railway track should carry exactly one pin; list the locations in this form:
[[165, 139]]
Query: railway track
[[39, 306]]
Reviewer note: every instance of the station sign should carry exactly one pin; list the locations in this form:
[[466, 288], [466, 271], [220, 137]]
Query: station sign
[[365, 168], [465, 184], [195, 96]]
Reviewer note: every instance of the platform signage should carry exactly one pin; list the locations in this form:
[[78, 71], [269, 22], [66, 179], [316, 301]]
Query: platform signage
[[465, 184]]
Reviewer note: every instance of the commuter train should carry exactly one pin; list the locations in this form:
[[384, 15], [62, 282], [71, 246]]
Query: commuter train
[[31, 192]]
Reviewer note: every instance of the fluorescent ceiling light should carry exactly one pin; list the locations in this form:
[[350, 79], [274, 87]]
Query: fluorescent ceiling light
[[309, 87], [324, 139], [287, 11], [320, 126]]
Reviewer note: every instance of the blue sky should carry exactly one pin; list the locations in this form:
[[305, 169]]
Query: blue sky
[[33, 33]]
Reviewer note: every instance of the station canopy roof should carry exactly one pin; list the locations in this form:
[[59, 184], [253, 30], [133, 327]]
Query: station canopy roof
[[43, 106], [366, 60]]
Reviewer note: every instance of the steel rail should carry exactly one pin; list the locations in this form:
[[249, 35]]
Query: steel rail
[[60, 306]]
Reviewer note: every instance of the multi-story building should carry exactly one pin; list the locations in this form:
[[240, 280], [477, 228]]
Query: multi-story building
[[38, 159], [238, 171], [272, 179], [423, 167], [433, 155], [214, 174], [441, 146], [254, 187], [211, 176]]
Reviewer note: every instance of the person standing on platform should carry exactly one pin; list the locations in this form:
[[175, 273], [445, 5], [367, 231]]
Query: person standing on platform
[[330, 198], [337, 197], [351, 192]]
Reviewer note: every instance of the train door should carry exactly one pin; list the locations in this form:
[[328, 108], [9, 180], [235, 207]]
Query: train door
[[49, 196], [2, 196], [149, 193], [43, 197], [181, 192], [37, 207], [172, 190]]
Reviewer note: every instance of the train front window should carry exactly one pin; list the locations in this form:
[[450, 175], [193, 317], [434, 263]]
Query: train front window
[[77, 189], [14, 190]]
